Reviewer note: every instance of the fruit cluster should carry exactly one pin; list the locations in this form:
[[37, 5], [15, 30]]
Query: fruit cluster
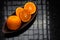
[[22, 15]]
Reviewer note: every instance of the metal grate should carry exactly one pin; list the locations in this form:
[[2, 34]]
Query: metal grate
[[40, 28]]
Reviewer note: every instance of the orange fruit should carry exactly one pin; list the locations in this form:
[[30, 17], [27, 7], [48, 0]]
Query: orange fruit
[[13, 22], [25, 16], [30, 6], [18, 10]]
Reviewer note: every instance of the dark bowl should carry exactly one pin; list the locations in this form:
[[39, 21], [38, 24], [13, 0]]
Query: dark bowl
[[24, 27]]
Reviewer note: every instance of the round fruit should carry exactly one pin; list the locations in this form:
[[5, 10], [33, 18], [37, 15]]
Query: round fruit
[[30, 6], [25, 16], [13, 22], [19, 10]]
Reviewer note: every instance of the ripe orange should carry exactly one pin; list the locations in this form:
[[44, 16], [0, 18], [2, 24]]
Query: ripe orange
[[30, 6], [25, 16], [13, 22], [18, 10]]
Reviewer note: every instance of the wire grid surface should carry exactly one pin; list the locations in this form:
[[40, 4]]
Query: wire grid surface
[[40, 28]]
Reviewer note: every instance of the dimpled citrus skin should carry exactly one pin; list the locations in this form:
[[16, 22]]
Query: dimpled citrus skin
[[25, 16], [30, 6], [13, 22], [18, 10]]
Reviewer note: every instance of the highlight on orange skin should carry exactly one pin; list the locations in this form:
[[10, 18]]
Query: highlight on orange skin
[[25, 16], [30, 6], [13, 22], [19, 10]]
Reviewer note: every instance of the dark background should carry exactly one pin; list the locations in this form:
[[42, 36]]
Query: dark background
[[54, 19], [1, 19]]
